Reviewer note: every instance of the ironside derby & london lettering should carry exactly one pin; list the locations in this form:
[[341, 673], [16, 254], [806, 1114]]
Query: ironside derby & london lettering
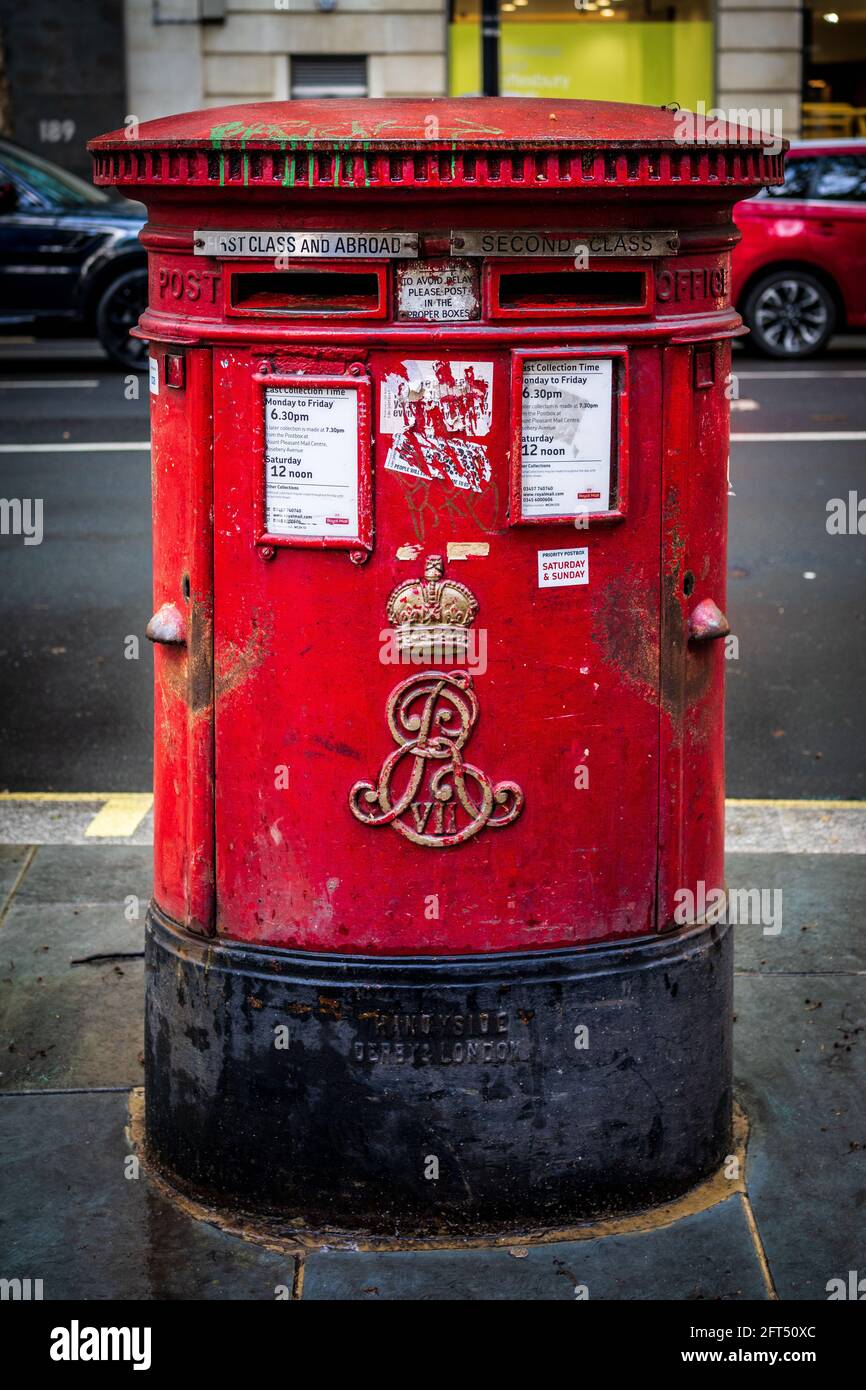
[[449, 1038]]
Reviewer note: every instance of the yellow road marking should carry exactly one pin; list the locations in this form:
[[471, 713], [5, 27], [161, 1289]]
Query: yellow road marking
[[120, 814], [56, 796], [793, 803]]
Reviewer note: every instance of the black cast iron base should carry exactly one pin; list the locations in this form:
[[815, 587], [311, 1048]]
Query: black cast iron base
[[455, 1094]]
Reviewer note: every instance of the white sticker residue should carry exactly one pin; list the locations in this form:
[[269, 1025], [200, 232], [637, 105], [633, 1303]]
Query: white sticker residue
[[567, 436], [437, 291], [557, 569], [462, 461], [311, 461], [153, 372]]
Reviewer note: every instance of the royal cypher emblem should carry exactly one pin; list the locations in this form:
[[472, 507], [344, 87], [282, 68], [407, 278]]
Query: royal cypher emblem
[[425, 789]]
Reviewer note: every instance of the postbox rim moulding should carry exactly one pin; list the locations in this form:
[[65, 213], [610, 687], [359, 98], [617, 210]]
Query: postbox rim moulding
[[634, 146], [425, 123]]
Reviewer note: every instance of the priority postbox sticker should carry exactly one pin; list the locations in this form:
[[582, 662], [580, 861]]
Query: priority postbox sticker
[[558, 569]]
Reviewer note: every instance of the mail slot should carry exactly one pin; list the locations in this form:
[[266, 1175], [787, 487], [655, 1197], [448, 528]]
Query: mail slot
[[305, 291], [439, 489], [553, 289]]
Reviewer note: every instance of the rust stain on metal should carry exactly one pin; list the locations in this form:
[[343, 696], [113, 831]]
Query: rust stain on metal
[[188, 673], [625, 628], [239, 663]]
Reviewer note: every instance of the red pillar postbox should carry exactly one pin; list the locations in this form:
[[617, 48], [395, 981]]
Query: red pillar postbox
[[440, 432]]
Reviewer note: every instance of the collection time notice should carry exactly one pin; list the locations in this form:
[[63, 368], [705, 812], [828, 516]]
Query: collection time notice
[[567, 436], [311, 461]]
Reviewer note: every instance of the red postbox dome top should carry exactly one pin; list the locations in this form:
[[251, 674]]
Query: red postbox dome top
[[465, 142]]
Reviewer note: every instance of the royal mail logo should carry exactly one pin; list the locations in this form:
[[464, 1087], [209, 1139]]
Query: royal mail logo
[[336, 521], [588, 496]]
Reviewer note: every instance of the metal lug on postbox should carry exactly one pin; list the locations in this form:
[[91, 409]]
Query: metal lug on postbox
[[167, 626], [175, 371], [707, 621]]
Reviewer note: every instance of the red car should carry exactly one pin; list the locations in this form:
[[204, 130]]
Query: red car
[[800, 270]]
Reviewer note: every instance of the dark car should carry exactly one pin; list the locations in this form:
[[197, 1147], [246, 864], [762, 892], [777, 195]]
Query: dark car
[[69, 253], [800, 269]]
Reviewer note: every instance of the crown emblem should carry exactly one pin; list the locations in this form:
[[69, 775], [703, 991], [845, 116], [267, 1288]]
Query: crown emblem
[[432, 614]]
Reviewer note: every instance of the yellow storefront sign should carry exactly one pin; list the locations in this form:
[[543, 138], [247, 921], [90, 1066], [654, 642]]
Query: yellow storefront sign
[[653, 63]]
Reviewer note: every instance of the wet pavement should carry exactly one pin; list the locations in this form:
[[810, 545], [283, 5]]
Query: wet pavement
[[81, 1216]]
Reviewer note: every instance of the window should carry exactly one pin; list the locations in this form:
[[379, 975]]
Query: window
[[841, 177], [49, 183], [648, 51], [798, 179], [834, 69], [329, 77]]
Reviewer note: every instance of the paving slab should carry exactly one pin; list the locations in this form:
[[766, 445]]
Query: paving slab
[[71, 1218], [709, 1255], [800, 1048], [12, 860], [88, 874], [822, 912], [71, 995]]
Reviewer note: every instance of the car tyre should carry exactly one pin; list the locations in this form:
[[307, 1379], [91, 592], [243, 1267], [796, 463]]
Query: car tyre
[[120, 307], [791, 314]]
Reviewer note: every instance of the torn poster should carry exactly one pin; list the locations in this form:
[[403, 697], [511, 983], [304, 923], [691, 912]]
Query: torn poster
[[437, 412]]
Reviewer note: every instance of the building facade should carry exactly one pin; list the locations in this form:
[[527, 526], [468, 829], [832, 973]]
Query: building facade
[[70, 72], [183, 54]]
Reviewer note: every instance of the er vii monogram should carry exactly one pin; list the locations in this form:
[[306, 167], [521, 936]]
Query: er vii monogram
[[425, 788]]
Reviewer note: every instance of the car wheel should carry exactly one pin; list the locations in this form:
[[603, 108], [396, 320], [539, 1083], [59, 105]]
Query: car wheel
[[119, 310], [790, 313]]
